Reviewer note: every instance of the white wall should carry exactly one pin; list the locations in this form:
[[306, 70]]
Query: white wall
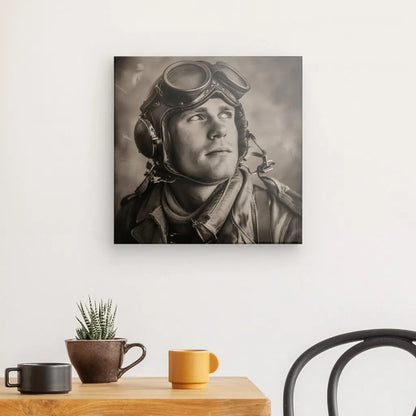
[[258, 308]]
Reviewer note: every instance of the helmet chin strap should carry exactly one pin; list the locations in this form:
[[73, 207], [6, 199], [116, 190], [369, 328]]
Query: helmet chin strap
[[178, 175], [152, 174]]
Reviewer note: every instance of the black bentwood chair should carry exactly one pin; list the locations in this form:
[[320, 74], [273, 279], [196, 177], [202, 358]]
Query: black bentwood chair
[[367, 340]]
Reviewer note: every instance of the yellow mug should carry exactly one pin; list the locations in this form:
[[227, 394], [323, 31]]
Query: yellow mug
[[190, 369]]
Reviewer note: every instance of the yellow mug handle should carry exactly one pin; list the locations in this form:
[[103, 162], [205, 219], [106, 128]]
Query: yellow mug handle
[[213, 362]]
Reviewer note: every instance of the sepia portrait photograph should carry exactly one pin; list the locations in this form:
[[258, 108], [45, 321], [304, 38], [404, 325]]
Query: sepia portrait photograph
[[208, 150]]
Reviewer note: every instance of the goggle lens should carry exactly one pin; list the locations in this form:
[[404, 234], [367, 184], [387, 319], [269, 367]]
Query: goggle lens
[[187, 76], [232, 78]]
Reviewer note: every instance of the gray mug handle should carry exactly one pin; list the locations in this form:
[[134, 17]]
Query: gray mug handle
[[6, 376], [141, 358]]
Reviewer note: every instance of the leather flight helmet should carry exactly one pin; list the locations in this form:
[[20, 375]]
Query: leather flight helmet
[[183, 86]]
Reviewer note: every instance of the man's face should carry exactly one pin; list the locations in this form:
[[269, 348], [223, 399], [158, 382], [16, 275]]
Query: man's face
[[204, 141]]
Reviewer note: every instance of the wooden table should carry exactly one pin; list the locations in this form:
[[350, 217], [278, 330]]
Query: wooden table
[[147, 396]]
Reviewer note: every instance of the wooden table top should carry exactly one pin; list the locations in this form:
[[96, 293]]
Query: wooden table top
[[144, 396]]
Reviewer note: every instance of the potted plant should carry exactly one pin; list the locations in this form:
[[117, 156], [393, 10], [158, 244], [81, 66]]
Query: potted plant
[[96, 353]]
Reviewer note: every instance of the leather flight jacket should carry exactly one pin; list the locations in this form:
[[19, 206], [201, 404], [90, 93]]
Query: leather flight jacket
[[238, 212]]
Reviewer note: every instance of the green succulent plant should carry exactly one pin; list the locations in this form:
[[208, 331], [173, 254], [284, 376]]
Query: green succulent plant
[[97, 320]]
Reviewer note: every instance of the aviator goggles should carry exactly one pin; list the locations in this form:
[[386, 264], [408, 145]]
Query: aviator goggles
[[187, 83]]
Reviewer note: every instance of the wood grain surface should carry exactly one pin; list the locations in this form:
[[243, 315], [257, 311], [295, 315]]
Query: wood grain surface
[[223, 396]]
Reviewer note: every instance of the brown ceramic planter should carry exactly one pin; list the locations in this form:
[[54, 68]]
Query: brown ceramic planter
[[100, 361]]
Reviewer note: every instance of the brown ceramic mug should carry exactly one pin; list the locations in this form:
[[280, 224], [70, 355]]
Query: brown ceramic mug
[[100, 361]]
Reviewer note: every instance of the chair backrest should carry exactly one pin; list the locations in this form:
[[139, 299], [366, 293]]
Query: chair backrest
[[367, 340]]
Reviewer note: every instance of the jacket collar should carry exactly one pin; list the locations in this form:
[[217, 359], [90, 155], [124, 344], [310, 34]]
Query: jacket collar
[[209, 221]]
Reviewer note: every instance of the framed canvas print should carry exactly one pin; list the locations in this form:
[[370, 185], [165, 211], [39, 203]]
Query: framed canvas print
[[208, 150]]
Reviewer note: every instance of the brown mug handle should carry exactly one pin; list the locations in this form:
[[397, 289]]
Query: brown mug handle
[[121, 371], [7, 379]]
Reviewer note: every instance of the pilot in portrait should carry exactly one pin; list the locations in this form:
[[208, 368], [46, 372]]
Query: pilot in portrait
[[197, 188]]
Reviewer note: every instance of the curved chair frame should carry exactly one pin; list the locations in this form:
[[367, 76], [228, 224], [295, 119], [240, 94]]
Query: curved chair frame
[[370, 339]]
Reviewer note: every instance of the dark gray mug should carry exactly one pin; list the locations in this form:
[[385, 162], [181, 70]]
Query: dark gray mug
[[38, 378]]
